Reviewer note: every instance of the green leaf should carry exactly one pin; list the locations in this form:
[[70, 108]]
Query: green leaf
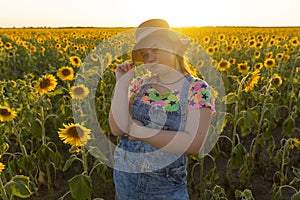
[[97, 153], [3, 147], [288, 126], [271, 147], [36, 128], [245, 195], [230, 98], [248, 120], [44, 153], [244, 173], [296, 172], [277, 193], [237, 156], [218, 193], [20, 186], [69, 162], [57, 160], [296, 196], [80, 187], [211, 176], [27, 162]]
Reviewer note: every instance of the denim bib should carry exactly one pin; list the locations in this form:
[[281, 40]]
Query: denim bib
[[139, 156], [162, 171]]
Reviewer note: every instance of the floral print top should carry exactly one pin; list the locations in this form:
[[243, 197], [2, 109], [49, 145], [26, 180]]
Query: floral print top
[[200, 95]]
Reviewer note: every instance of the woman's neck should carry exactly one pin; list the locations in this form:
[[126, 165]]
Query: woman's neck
[[170, 78]]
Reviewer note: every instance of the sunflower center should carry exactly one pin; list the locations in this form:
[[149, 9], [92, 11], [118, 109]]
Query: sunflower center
[[76, 60], [243, 67], [45, 83], [223, 64], [75, 132], [4, 112], [276, 81], [66, 72], [269, 62], [78, 91]]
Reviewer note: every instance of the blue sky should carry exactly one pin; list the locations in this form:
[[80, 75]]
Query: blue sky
[[116, 13]]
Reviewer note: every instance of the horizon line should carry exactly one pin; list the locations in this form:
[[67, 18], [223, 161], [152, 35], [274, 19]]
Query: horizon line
[[207, 26]]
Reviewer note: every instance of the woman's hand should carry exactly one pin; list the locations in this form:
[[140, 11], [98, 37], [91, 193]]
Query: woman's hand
[[125, 71]]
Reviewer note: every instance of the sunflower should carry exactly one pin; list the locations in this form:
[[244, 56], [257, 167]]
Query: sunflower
[[46, 84], [252, 43], [2, 167], [286, 58], [272, 43], [276, 80], [65, 73], [75, 61], [221, 37], [223, 65], [259, 45], [252, 81], [206, 39], [278, 47], [7, 114], [229, 49], [269, 54], [294, 143], [79, 92], [8, 45], [279, 56], [243, 67], [257, 54], [42, 49], [258, 66], [269, 62], [232, 61], [118, 59], [210, 50], [94, 57], [74, 134], [41, 41], [294, 41], [12, 83]]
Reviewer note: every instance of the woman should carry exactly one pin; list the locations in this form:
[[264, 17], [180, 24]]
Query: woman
[[166, 117]]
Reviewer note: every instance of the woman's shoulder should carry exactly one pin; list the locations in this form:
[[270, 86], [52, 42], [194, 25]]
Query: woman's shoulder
[[198, 83]]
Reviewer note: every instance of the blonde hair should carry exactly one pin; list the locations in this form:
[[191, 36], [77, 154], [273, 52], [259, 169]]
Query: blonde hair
[[185, 67]]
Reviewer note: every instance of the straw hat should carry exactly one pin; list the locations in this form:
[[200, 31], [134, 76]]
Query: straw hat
[[158, 28]]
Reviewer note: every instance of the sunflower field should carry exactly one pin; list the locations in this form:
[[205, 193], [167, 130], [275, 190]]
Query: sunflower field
[[42, 147]]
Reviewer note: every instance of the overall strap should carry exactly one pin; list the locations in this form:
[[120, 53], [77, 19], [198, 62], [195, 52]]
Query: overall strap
[[184, 101], [142, 89]]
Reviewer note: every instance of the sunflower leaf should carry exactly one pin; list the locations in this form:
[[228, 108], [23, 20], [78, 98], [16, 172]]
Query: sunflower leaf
[[36, 128], [20, 186], [230, 98], [80, 187]]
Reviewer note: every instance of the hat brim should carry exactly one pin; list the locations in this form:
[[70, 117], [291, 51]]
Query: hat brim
[[172, 36]]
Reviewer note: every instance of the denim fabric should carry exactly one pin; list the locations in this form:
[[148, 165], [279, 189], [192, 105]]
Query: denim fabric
[[143, 172]]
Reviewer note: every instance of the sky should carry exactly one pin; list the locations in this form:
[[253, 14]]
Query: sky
[[130, 13]]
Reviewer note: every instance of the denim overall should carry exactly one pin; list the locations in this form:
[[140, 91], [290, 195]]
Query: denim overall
[[143, 172]]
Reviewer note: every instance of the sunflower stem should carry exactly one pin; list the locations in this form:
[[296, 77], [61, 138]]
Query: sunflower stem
[[43, 126], [235, 124], [201, 174], [3, 191], [260, 123], [49, 182], [85, 163], [84, 160]]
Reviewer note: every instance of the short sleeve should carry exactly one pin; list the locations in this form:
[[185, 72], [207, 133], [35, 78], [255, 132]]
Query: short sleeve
[[200, 96], [134, 87]]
